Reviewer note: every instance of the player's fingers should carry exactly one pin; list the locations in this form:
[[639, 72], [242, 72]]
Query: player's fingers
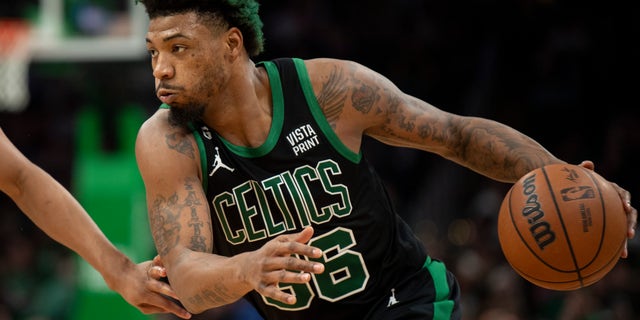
[[632, 213], [158, 304], [625, 252], [268, 286], [149, 309], [305, 235], [292, 263], [588, 164], [302, 237], [157, 273], [170, 307], [632, 218], [285, 276], [161, 288], [272, 291], [287, 248], [289, 244], [157, 261]]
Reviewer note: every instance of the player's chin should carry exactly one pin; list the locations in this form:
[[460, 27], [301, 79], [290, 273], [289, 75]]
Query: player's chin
[[181, 115]]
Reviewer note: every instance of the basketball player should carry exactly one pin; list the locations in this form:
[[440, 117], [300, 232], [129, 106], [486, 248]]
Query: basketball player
[[257, 187], [52, 208]]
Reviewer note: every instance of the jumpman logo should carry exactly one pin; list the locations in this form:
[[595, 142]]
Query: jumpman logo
[[392, 299], [217, 164]]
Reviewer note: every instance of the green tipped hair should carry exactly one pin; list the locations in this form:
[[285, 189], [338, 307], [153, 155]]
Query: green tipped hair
[[242, 14]]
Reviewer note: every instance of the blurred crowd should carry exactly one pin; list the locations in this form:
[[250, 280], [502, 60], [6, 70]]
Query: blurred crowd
[[562, 72]]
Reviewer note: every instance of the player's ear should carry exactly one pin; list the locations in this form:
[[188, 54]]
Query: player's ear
[[235, 41]]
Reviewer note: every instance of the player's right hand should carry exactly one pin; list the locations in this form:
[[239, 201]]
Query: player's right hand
[[278, 262], [632, 213]]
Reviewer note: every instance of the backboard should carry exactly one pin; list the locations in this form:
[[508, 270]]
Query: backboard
[[88, 30]]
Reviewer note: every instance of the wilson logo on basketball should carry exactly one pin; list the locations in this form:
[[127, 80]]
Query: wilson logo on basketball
[[539, 228]]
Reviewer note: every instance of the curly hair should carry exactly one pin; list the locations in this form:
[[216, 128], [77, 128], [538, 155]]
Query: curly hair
[[242, 14]]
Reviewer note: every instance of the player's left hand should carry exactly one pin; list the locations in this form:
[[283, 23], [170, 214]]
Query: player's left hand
[[632, 213]]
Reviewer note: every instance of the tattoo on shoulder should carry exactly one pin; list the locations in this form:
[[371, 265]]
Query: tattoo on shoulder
[[181, 144], [364, 97], [332, 95]]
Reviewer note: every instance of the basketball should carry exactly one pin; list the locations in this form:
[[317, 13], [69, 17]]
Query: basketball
[[562, 227]]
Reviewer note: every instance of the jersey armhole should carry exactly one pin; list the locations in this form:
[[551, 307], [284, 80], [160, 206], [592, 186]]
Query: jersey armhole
[[203, 156], [318, 115]]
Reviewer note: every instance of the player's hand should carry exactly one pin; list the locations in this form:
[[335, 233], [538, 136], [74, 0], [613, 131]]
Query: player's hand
[[141, 286], [157, 271], [281, 261], [632, 213]]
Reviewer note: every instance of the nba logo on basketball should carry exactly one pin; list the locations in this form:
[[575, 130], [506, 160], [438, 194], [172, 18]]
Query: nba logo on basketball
[[577, 193]]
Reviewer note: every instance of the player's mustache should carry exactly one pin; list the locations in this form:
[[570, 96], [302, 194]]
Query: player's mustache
[[166, 86]]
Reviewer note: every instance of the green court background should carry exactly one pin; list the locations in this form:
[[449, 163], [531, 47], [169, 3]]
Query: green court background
[[110, 188]]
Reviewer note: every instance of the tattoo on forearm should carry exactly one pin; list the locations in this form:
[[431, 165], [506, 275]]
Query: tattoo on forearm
[[333, 95], [165, 220], [197, 240], [489, 141], [406, 123], [398, 123], [425, 131], [176, 142], [218, 295]]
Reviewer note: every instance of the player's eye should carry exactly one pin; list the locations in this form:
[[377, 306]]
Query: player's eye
[[152, 52], [178, 49]]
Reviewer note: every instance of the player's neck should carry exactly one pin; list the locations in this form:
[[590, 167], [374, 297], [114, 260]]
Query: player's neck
[[243, 113]]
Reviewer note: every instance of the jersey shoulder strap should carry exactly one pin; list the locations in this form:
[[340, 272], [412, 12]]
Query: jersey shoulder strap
[[296, 85]]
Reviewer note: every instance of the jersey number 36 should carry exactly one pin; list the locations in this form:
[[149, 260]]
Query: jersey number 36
[[345, 272]]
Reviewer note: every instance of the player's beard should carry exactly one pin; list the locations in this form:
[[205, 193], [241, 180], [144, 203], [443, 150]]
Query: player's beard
[[184, 115]]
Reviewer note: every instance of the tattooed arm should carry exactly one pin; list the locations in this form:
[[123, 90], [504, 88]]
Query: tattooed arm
[[54, 210], [180, 222], [358, 101]]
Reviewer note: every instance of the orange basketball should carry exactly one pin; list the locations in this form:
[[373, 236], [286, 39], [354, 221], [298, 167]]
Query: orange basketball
[[562, 227]]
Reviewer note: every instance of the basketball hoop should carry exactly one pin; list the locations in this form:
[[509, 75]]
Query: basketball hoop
[[14, 64]]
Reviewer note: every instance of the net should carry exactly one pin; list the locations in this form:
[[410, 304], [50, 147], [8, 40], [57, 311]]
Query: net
[[14, 64]]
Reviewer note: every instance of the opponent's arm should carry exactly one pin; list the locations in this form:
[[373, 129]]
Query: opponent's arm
[[181, 226], [54, 210]]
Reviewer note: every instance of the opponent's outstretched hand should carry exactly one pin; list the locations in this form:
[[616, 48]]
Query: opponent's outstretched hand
[[632, 213], [282, 260], [142, 288]]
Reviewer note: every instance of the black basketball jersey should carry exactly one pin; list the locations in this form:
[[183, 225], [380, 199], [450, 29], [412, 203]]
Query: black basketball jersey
[[303, 175]]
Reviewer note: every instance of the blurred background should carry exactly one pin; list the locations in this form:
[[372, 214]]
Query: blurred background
[[562, 72]]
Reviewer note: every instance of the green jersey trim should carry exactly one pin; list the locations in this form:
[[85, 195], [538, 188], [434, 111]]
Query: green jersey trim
[[442, 307], [203, 156], [318, 115], [276, 122]]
